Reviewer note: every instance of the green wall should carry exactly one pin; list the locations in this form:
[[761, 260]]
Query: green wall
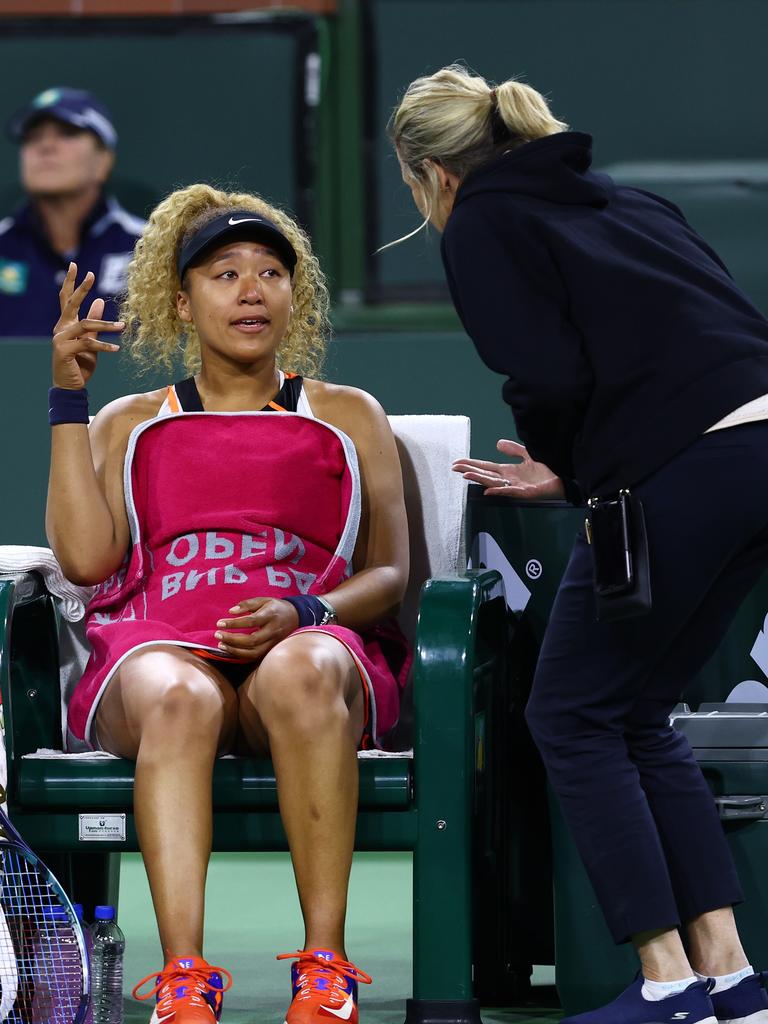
[[660, 83], [652, 80]]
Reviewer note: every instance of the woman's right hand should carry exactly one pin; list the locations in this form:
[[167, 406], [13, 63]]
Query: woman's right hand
[[75, 345], [523, 479]]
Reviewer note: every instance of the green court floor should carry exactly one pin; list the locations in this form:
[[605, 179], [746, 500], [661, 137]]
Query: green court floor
[[253, 913]]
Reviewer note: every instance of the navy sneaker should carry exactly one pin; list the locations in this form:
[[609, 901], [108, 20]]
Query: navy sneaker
[[745, 1003], [691, 1006]]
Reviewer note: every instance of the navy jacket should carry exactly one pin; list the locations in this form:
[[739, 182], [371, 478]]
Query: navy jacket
[[31, 272], [621, 333]]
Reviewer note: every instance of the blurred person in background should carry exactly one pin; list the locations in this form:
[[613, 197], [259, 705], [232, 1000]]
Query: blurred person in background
[[67, 148], [632, 360]]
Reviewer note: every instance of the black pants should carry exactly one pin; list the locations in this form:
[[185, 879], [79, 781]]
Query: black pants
[[639, 810]]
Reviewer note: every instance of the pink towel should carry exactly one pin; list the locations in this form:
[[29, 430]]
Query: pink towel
[[222, 507]]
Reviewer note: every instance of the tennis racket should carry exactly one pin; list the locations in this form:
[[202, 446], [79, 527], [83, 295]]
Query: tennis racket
[[43, 962]]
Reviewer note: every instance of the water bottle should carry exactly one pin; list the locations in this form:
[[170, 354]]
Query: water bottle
[[58, 988], [107, 960], [88, 938]]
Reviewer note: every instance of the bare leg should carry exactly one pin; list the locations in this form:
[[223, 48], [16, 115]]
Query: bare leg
[[662, 956], [172, 713], [714, 944], [714, 949], [306, 702]]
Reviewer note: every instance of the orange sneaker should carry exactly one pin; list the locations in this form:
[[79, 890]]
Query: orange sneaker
[[324, 987], [188, 991]]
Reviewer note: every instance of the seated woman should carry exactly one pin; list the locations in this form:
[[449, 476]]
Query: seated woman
[[247, 532]]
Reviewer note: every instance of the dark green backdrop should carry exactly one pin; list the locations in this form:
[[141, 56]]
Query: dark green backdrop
[[189, 105], [673, 91], [652, 80]]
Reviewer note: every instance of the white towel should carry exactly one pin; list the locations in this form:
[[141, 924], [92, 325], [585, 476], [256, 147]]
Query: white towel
[[20, 558], [46, 754], [434, 499]]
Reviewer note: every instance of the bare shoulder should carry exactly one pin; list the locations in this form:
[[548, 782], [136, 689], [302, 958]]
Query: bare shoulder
[[115, 421], [352, 410]]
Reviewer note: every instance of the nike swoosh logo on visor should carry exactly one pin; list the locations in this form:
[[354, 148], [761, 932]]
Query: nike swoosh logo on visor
[[344, 1012], [243, 220]]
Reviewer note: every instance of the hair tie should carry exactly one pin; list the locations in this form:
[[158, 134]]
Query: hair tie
[[493, 97]]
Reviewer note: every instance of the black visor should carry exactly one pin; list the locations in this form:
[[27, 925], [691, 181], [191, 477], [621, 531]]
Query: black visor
[[237, 225]]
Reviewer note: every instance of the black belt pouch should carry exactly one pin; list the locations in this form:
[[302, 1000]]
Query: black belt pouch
[[615, 529]]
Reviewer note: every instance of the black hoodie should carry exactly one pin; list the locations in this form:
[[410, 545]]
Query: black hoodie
[[621, 333]]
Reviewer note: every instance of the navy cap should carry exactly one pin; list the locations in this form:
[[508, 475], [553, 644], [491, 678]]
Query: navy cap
[[73, 106], [233, 225]]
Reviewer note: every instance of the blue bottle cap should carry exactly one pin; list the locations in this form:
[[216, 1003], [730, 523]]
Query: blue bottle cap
[[104, 913], [78, 909], [55, 913]]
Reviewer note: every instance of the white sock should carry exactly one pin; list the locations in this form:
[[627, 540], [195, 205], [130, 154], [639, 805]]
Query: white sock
[[656, 990], [725, 981]]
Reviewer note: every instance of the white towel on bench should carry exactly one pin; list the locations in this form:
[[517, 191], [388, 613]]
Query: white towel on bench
[[46, 754], [22, 558]]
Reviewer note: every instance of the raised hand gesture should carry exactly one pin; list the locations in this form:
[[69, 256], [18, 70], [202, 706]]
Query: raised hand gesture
[[523, 479], [75, 345]]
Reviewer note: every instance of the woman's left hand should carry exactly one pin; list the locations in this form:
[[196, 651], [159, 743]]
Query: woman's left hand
[[525, 479], [268, 621]]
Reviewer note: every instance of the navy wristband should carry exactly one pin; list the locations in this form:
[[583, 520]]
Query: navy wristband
[[311, 611], [67, 406]]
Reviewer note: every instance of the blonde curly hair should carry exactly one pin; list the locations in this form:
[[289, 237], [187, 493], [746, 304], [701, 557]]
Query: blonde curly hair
[[154, 334]]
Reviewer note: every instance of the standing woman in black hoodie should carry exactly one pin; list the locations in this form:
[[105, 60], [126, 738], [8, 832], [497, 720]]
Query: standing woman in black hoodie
[[632, 361]]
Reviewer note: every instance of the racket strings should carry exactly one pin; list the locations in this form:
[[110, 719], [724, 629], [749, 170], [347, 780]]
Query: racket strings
[[39, 951]]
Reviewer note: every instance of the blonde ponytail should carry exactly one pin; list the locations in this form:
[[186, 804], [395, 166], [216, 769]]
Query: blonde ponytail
[[525, 112], [456, 119]]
